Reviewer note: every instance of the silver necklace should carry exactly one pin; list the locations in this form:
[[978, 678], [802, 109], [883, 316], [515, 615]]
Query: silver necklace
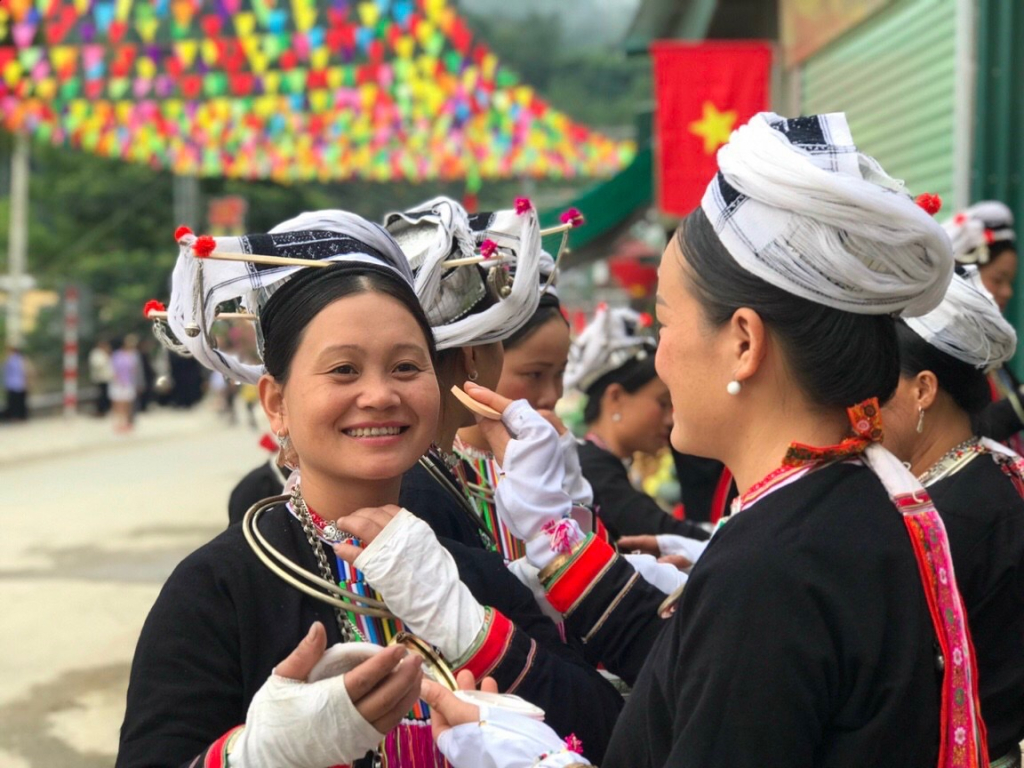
[[450, 459], [349, 633], [952, 461]]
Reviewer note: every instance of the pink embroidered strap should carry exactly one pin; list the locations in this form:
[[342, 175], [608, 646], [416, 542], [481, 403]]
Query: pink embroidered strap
[[963, 738]]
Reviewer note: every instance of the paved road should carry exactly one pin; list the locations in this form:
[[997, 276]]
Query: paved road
[[91, 527]]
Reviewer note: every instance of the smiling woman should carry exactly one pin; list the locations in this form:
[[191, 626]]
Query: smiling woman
[[348, 384]]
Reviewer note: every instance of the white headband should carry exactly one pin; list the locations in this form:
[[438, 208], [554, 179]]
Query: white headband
[[796, 204], [199, 286], [613, 338], [440, 230], [968, 325], [972, 231]]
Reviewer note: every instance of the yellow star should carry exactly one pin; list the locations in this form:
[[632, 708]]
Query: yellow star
[[714, 126]]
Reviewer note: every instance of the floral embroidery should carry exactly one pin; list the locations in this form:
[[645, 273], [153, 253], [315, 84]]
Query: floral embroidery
[[866, 421], [958, 656]]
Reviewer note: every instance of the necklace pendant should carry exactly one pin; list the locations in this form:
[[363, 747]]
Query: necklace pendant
[[331, 531]]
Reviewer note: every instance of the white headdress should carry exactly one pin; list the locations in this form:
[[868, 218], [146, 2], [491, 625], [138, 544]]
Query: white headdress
[[797, 204], [968, 325], [200, 285], [974, 230], [612, 339], [440, 231]]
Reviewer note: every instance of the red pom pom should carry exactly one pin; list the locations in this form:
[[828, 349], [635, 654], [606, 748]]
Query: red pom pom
[[990, 236], [153, 306], [203, 246], [269, 443], [488, 248], [602, 307], [931, 204], [523, 205], [180, 232], [573, 217], [960, 219], [646, 321]]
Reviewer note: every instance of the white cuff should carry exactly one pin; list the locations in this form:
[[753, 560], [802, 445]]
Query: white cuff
[[671, 544], [419, 581], [503, 739], [665, 577]]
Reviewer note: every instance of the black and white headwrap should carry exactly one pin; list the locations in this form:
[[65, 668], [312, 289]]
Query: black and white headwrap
[[478, 303], [795, 203], [200, 286], [983, 224], [968, 325], [612, 339]]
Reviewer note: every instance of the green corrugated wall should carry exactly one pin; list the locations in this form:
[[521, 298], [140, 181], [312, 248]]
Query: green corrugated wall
[[894, 77]]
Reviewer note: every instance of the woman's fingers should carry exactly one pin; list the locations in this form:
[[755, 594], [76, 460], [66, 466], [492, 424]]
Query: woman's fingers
[[363, 678], [392, 698], [487, 397], [445, 709], [489, 685], [678, 561], [645, 545], [300, 662]]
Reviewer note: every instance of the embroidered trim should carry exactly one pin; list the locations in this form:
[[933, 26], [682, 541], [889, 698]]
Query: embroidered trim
[[217, 753], [866, 421], [611, 608], [568, 586], [493, 646], [526, 667], [963, 739]]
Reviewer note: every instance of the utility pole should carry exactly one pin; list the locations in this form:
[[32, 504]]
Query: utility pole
[[17, 237]]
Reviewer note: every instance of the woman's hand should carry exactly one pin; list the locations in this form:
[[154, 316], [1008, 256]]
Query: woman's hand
[[295, 724], [643, 545], [446, 709], [365, 524], [495, 432]]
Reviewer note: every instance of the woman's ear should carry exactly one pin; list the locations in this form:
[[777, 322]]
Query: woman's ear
[[926, 389], [747, 342], [612, 397], [469, 364], [272, 400]]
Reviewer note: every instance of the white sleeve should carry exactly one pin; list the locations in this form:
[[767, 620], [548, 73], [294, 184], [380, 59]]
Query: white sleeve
[[502, 739], [671, 544], [665, 577]]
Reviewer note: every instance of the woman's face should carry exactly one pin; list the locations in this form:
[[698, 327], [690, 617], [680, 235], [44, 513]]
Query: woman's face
[[361, 400], [534, 368], [998, 277], [646, 421], [690, 362], [899, 420]]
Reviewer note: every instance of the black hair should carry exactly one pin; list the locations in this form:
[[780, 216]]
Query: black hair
[[838, 358], [997, 249], [548, 309], [293, 306], [963, 382], [630, 377]]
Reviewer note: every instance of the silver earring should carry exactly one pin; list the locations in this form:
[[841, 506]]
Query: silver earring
[[733, 387], [282, 438], [474, 375], [616, 417], [920, 420]]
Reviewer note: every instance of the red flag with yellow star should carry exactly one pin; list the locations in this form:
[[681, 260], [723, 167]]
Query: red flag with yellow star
[[703, 91]]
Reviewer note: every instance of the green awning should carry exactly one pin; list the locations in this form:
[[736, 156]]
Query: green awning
[[608, 208]]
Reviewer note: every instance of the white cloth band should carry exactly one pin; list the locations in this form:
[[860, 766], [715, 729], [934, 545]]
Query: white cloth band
[[292, 724], [968, 325], [796, 204], [613, 338], [419, 581]]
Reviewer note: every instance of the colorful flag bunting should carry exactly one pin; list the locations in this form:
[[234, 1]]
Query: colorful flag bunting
[[289, 90]]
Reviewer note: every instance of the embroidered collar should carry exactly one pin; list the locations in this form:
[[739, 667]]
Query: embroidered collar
[[866, 423]]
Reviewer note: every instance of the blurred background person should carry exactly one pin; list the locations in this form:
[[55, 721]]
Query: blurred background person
[[123, 387], [17, 373], [100, 374]]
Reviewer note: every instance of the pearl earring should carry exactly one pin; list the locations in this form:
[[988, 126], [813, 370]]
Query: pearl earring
[[733, 387]]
